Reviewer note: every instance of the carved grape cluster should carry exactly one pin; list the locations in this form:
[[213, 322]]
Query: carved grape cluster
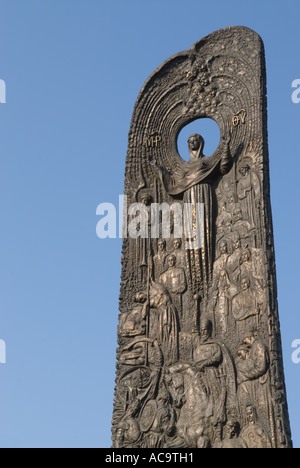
[[202, 93]]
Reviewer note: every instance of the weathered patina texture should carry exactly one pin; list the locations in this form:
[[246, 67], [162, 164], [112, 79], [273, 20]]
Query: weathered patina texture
[[199, 357]]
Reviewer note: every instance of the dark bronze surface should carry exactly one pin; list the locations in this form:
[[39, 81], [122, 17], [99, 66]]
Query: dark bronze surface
[[199, 357]]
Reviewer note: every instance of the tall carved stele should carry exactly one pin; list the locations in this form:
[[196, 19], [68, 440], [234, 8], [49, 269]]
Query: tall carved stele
[[199, 357]]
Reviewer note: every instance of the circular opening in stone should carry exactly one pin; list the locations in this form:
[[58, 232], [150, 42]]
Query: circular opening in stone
[[207, 128]]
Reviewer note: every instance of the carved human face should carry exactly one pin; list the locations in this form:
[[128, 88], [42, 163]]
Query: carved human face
[[236, 244], [172, 261], [223, 276], [177, 244], [246, 255], [223, 248], [194, 142], [250, 414], [161, 245], [228, 227], [244, 170], [237, 215], [231, 429], [245, 284]]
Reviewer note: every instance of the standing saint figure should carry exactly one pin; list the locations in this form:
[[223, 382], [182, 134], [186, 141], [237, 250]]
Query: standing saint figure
[[159, 259], [175, 281], [253, 375], [221, 263], [223, 293], [194, 180], [249, 192], [179, 253], [216, 374], [245, 308]]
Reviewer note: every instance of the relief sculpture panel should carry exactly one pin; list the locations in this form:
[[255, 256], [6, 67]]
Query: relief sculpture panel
[[199, 357]]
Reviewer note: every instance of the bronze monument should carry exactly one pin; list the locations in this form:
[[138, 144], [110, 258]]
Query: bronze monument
[[199, 358]]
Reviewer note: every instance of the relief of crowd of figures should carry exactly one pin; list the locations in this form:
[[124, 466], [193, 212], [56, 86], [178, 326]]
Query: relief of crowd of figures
[[194, 371], [199, 357]]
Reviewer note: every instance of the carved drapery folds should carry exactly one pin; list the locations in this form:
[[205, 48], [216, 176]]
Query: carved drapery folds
[[199, 357]]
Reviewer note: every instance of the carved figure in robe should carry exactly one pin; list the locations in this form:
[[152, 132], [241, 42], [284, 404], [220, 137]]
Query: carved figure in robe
[[193, 181], [208, 357], [223, 215], [221, 263], [223, 294], [226, 234], [174, 280], [245, 309], [242, 226], [253, 373], [179, 253], [234, 259], [164, 322], [249, 193], [159, 259]]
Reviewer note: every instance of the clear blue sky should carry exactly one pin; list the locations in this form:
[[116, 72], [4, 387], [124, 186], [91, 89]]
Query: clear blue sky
[[73, 70]]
